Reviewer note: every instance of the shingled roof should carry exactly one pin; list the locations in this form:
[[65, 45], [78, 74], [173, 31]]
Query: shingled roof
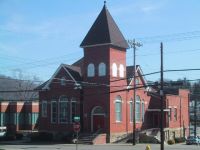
[[104, 31]]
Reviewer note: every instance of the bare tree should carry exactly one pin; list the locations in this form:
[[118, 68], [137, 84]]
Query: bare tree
[[23, 85]]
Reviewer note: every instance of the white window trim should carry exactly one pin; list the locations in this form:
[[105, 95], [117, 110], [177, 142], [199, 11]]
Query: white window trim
[[121, 71], [131, 103], [58, 111], [143, 115], [59, 119], [63, 81], [73, 100], [138, 101], [114, 70], [118, 100], [102, 69], [137, 82], [43, 114], [52, 112], [90, 70]]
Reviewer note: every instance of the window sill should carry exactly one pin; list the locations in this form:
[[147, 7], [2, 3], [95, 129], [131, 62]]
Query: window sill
[[118, 121], [101, 75], [63, 122], [136, 122]]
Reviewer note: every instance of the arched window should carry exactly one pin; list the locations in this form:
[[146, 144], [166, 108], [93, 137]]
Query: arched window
[[137, 81], [131, 110], [121, 70], [97, 110], [73, 109], [102, 69], [143, 110], [63, 109], [90, 70], [118, 109], [137, 111], [114, 70]]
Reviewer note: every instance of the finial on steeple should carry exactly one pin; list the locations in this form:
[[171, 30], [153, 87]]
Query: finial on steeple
[[104, 2]]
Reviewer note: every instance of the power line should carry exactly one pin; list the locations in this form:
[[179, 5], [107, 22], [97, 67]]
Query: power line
[[92, 85], [171, 52], [184, 35], [152, 73], [171, 37], [157, 72]]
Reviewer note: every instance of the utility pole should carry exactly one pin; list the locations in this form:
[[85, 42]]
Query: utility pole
[[133, 44], [161, 100], [79, 87]]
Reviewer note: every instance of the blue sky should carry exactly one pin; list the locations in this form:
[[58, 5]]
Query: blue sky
[[36, 36]]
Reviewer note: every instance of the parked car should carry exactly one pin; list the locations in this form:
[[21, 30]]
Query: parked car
[[3, 131], [193, 140]]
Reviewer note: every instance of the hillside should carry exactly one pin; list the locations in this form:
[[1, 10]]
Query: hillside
[[14, 89]]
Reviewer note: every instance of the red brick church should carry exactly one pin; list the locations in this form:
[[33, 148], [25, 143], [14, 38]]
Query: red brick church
[[99, 89]]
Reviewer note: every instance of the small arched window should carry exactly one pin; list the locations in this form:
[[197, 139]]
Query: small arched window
[[63, 81], [90, 70], [121, 70], [114, 70], [102, 69], [143, 110], [118, 109], [98, 110], [137, 81], [131, 110]]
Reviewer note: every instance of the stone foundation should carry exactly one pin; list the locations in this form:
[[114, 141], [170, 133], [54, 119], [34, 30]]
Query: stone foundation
[[114, 137], [172, 133]]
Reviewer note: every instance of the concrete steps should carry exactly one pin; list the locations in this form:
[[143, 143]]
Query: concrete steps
[[92, 138], [85, 139]]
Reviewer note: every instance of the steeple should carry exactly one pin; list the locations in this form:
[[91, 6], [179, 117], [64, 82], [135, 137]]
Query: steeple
[[104, 31]]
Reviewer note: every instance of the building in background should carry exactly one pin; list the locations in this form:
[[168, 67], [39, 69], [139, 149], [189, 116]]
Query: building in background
[[176, 112], [19, 105], [19, 115], [194, 114]]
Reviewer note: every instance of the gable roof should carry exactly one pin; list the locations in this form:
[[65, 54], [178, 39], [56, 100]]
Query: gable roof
[[129, 74], [73, 71], [104, 31]]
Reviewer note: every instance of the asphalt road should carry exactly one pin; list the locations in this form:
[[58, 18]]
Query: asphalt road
[[97, 147]]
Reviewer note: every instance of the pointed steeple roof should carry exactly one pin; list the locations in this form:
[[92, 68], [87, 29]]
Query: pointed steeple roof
[[104, 31]]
